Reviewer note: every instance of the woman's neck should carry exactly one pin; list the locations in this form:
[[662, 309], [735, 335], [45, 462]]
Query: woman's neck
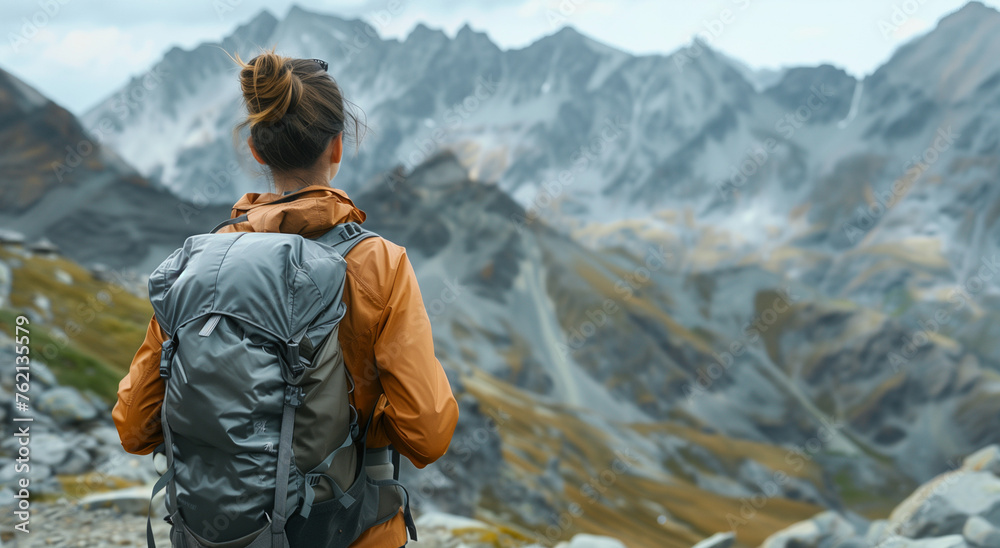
[[286, 184]]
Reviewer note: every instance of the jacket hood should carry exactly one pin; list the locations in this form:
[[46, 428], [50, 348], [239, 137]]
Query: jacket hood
[[310, 211]]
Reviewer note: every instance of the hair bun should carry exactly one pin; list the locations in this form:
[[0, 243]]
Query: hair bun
[[295, 109], [270, 88]]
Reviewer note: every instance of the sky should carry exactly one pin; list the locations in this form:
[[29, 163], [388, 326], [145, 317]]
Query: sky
[[78, 52]]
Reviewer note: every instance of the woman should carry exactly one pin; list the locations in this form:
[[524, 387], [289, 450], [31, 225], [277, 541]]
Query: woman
[[297, 120]]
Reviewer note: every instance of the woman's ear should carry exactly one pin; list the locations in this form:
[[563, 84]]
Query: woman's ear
[[338, 149], [335, 152], [253, 150]]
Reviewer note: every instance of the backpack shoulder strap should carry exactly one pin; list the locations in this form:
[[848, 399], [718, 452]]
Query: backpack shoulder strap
[[411, 527], [342, 238], [228, 222], [345, 236]]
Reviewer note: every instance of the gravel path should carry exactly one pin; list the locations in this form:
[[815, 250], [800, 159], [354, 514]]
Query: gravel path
[[64, 524]]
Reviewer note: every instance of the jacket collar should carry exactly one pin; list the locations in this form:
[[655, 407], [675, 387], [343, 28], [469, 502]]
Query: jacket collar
[[310, 211]]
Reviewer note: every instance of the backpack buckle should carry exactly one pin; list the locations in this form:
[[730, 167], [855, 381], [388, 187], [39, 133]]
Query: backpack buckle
[[350, 230], [294, 396], [293, 359], [166, 356]]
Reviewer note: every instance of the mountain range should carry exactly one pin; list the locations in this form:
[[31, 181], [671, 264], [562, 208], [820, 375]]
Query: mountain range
[[817, 164], [673, 299]]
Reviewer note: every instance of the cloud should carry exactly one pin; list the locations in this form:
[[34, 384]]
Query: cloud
[[912, 27], [810, 32], [77, 65], [85, 51], [101, 49]]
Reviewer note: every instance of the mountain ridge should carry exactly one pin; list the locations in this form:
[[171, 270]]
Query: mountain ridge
[[63, 185]]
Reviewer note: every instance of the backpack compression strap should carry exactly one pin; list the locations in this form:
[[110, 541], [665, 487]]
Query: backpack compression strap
[[407, 516], [294, 397], [386, 455]]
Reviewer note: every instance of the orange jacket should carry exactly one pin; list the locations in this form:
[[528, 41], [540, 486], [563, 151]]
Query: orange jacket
[[385, 335]]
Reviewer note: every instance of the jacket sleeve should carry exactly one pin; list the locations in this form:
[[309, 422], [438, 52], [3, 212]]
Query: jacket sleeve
[[140, 395], [418, 411]]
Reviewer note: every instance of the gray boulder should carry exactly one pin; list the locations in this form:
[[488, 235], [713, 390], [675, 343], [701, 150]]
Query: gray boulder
[[7, 499], [957, 509], [133, 500], [41, 374], [6, 281], [981, 533], [49, 449], [11, 237], [78, 461], [941, 507], [593, 541], [104, 434], [823, 530], [67, 406], [718, 540], [950, 541], [986, 459]]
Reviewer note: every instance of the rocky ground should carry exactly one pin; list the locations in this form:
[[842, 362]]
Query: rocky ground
[[62, 523], [87, 492], [75, 457], [958, 509]]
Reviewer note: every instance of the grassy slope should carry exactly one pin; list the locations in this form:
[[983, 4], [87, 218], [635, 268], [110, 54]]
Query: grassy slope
[[633, 500], [95, 327]]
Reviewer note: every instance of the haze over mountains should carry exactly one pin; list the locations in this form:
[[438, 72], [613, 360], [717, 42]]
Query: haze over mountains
[[643, 260], [581, 133], [679, 124]]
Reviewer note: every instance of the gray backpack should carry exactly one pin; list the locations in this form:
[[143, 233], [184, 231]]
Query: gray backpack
[[263, 448]]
